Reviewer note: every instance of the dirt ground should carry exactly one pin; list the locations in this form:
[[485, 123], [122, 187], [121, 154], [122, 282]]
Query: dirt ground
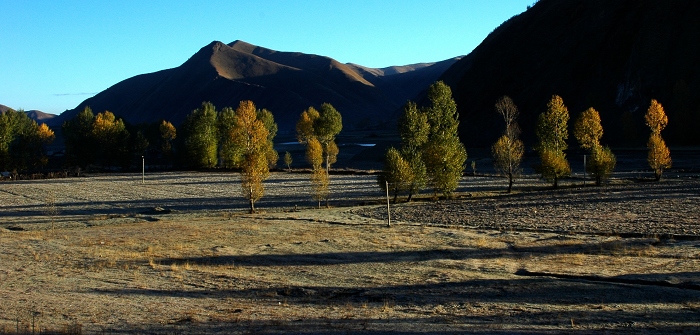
[[178, 254]]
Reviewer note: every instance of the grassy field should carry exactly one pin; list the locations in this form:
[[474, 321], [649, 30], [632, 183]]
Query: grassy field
[[203, 266]]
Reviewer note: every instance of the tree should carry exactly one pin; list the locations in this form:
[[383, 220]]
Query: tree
[[414, 131], [22, 141], [508, 150], [552, 133], [319, 176], [229, 152], [328, 124], [78, 135], [659, 156], [318, 129], [288, 160], [444, 155], [111, 137], [168, 134], [200, 137], [396, 175], [588, 132], [251, 135]]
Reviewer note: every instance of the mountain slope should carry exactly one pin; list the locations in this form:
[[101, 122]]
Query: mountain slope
[[612, 55], [286, 83], [38, 116]]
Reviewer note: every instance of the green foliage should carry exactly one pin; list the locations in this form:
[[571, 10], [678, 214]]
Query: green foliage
[[397, 173], [444, 155], [22, 141], [229, 152], [200, 137], [288, 160], [77, 132], [552, 134], [414, 131]]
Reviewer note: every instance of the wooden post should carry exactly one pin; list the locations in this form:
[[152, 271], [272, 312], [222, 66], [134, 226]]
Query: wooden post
[[143, 170], [388, 209], [584, 170]]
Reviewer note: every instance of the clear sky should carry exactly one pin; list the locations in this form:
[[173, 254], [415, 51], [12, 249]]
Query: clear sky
[[54, 54]]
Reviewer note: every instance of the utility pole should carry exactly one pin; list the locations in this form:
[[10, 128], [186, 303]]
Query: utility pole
[[143, 170]]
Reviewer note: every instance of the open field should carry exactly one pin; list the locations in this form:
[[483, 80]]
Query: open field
[[623, 258]]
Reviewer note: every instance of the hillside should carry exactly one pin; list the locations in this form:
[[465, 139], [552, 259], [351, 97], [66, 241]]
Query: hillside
[[35, 115], [286, 83], [614, 56]]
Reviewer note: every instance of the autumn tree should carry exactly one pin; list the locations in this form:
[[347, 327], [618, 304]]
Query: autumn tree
[[588, 132], [319, 176], [200, 137], [288, 160], [111, 137], [396, 174], [659, 156], [443, 153], [251, 135], [552, 134], [168, 134], [321, 127], [508, 149]]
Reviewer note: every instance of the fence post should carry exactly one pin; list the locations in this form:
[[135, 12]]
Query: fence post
[[388, 209]]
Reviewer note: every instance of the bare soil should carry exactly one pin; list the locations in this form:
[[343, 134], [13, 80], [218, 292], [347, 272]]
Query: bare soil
[[179, 254]]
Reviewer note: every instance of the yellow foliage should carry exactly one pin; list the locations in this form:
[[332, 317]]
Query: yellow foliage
[[588, 130], [655, 117], [659, 157]]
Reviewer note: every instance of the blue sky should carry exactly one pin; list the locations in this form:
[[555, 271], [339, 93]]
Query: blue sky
[[55, 54]]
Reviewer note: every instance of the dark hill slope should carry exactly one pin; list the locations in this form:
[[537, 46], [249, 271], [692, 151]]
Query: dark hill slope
[[286, 83], [38, 116], [613, 55]]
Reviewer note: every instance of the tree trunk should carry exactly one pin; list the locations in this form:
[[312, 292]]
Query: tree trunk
[[510, 182], [252, 206]]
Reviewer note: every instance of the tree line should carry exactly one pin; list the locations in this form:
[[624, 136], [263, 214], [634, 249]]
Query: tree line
[[431, 152], [23, 142]]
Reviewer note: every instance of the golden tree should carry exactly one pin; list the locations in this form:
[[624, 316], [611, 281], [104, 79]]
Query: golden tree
[[509, 149], [251, 135], [319, 176], [552, 133], [588, 132], [168, 133], [659, 156]]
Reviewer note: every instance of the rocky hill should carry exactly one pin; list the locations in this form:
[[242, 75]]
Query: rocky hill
[[286, 83], [612, 55]]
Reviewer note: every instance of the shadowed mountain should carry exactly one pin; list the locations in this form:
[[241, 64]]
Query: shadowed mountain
[[38, 116], [285, 83], [612, 55]]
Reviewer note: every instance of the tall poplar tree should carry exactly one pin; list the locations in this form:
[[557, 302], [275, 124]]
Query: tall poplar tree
[[588, 132], [552, 134], [508, 149], [201, 137], [659, 156], [443, 153], [251, 135]]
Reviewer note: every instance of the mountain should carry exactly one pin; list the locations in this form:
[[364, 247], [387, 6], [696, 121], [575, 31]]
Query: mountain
[[286, 83], [38, 116], [612, 55]]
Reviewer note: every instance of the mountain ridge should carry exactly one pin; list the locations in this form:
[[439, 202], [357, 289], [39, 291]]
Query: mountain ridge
[[285, 83]]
